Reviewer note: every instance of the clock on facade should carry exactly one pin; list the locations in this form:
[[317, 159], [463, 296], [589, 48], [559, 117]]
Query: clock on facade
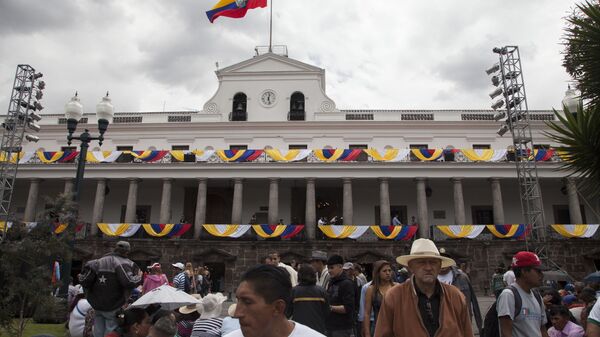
[[268, 98]]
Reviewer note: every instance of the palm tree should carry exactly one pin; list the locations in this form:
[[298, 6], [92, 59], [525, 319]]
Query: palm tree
[[582, 50], [579, 135]]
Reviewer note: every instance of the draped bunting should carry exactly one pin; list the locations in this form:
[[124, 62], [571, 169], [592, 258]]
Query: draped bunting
[[22, 157], [515, 231], [272, 231], [461, 231], [239, 155], [147, 156], [102, 156], [290, 155], [227, 231], [324, 155], [331, 155], [391, 155], [427, 154], [343, 232], [119, 229], [543, 154], [57, 156], [576, 231], [484, 154], [397, 233]]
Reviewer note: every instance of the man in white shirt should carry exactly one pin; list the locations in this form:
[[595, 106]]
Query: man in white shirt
[[530, 320], [593, 321], [318, 260], [262, 299], [276, 261], [509, 278]]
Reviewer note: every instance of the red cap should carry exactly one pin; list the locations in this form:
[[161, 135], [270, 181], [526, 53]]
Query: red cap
[[526, 259]]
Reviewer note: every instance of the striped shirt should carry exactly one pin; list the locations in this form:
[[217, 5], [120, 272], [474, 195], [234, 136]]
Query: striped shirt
[[207, 325], [179, 281]]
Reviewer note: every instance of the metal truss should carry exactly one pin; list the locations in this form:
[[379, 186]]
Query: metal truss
[[12, 137]]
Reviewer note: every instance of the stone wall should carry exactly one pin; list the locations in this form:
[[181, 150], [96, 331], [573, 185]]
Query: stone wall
[[478, 258]]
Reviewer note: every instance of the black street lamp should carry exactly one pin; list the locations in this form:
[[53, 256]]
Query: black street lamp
[[73, 113]]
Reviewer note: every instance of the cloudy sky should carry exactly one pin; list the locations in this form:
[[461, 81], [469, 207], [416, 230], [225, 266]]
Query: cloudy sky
[[380, 54]]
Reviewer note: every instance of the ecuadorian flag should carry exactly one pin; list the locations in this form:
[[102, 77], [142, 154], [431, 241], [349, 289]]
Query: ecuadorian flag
[[233, 8]]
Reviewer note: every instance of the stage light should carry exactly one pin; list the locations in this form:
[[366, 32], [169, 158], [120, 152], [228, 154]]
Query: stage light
[[36, 76], [502, 51], [41, 85], [495, 81], [496, 93], [499, 115], [35, 117], [39, 94], [493, 69], [498, 104], [503, 129], [32, 138], [34, 127]]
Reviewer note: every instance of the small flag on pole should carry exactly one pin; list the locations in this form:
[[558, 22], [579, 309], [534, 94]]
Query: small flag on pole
[[233, 8], [55, 272]]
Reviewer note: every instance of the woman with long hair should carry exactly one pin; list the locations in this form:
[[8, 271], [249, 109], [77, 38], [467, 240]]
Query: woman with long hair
[[382, 282], [191, 275]]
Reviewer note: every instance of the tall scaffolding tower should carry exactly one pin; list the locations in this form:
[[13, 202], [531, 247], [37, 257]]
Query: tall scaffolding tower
[[511, 86], [24, 101]]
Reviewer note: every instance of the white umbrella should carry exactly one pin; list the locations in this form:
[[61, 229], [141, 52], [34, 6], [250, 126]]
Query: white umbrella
[[168, 297]]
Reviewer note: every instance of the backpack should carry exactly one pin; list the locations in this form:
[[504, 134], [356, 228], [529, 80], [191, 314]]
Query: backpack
[[491, 325]]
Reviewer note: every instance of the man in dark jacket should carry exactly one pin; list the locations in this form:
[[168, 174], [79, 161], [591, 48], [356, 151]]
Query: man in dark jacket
[[341, 299], [108, 281], [309, 301], [456, 277]]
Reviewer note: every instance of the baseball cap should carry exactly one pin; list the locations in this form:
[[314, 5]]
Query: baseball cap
[[527, 259], [178, 265], [348, 265]]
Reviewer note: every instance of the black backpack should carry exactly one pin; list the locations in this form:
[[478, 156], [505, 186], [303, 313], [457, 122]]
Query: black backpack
[[491, 325]]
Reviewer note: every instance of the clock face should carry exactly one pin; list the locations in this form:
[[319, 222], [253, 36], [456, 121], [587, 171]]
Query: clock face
[[267, 98]]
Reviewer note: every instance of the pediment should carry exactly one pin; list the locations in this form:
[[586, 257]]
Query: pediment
[[268, 63]]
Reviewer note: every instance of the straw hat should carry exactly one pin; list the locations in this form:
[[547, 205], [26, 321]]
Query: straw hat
[[231, 310], [212, 305], [424, 249], [188, 309]]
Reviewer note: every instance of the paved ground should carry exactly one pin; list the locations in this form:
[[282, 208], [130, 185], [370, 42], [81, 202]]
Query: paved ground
[[484, 304]]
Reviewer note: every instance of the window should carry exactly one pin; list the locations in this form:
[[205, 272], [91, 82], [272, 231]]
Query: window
[[296, 107], [359, 117], [362, 156], [126, 120], [482, 215], [125, 157], [563, 216], [238, 147], [238, 110], [187, 157], [481, 146], [142, 216], [400, 210], [417, 146], [179, 119]]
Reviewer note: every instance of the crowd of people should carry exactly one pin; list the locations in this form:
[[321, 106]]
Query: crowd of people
[[329, 296]]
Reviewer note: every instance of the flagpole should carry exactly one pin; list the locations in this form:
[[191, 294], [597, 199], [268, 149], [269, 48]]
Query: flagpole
[[271, 29]]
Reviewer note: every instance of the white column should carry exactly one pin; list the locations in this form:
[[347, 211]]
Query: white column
[[165, 202], [236, 208], [200, 216], [68, 185], [497, 204], [384, 202], [348, 208], [310, 215], [98, 205], [459, 202], [273, 216], [422, 211], [130, 211], [574, 206], [32, 198]]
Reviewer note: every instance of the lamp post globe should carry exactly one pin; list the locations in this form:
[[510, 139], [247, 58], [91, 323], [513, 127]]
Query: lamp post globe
[[571, 101], [74, 109]]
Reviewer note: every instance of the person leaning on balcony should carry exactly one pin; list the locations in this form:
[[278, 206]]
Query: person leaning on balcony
[[423, 306]]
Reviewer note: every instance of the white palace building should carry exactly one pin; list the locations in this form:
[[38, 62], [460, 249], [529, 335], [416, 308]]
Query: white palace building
[[270, 147]]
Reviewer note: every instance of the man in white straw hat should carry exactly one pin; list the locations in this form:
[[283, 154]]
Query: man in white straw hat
[[423, 306]]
